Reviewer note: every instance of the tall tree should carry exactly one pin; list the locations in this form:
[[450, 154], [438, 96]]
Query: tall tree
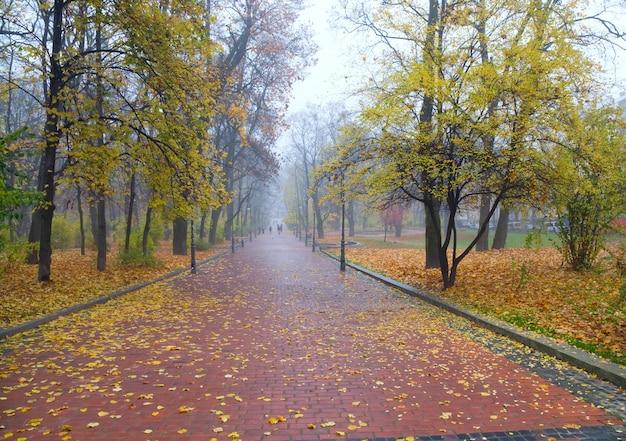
[[450, 126]]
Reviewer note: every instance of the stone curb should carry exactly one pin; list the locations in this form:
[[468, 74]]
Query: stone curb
[[35, 323], [593, 364]]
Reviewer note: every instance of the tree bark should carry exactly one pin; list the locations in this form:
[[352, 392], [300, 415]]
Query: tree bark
[[483, 240], [129, 216], [101, 263], [215, 217], [499, 239], [179, 238], [41, 228], [146, 232], [432, 232], [81, 220]]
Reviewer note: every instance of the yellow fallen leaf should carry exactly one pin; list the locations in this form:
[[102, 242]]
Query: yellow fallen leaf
[[148, 431], [185, 409], [328, 424], [181, 431], [218, 430], [310, 426], [102, 413], [92, 425], [233, 435], [340, 433]]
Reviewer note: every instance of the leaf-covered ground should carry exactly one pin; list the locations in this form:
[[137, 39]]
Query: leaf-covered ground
[[75, 280], [527, 287]]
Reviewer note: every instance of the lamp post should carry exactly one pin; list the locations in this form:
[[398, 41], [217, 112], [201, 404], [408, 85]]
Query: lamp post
[[342, 259], [313, 232]]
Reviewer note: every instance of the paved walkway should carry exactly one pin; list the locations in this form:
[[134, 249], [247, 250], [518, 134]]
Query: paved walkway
[[273, 343]]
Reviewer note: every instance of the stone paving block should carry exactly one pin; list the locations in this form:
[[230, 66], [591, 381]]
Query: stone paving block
[[275, 330]]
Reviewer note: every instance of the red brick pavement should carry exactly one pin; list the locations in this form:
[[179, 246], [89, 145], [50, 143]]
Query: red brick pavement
[[271, 342]]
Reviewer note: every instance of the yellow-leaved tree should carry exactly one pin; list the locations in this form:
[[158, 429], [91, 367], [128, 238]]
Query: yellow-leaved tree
[[464, 95]]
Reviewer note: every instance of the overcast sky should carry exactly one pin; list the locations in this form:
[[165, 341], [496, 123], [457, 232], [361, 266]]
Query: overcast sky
[[326, 80]]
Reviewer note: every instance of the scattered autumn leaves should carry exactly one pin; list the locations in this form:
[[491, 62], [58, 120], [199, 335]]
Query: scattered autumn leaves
[[75, 280], [527, 287]]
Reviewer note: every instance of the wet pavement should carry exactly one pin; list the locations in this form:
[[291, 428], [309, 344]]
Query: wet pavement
[[274, 343]]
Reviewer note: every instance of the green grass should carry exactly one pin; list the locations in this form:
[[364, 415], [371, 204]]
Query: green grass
[[514, 240]]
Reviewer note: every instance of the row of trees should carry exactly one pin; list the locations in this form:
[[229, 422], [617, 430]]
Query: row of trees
[[174, 105], [487, 105]]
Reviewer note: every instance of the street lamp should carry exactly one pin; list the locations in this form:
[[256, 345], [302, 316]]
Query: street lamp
[[342, 259], [250, 225], [313, 232], [342, 256]]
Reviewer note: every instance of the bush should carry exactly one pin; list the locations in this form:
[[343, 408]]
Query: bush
[[65, 233], [135, 258], [14, 254]]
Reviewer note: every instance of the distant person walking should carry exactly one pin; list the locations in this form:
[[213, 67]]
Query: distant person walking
[[270, 229]]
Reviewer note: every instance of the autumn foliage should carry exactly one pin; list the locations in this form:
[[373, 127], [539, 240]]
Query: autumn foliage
[[530, 288], [76, 281]]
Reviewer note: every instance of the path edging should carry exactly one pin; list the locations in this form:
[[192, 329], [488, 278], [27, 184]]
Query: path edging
[[593, 364], [35, 323]]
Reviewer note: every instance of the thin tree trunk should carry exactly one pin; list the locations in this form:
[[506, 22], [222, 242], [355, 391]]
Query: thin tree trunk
[[81, 220], [215, 217], [432, 233], [485, 207], [202, 231], [101, 263], [502, 229], [146, 232], [179, 238], [129, 218]]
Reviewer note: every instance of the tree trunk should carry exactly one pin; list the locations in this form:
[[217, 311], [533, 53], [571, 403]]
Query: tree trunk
[[81, 220], [146, 232], [432, 232], [485, 207], [202, 230], [215, 217], [101, 264], [398, 229], [317, 212], [179, 238], [93, 218], [101, 243], [129, 216], [351, 219], [499, 239]]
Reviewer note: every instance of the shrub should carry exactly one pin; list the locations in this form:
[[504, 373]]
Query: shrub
[[65, 233], [14, 253], [135, 258]]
